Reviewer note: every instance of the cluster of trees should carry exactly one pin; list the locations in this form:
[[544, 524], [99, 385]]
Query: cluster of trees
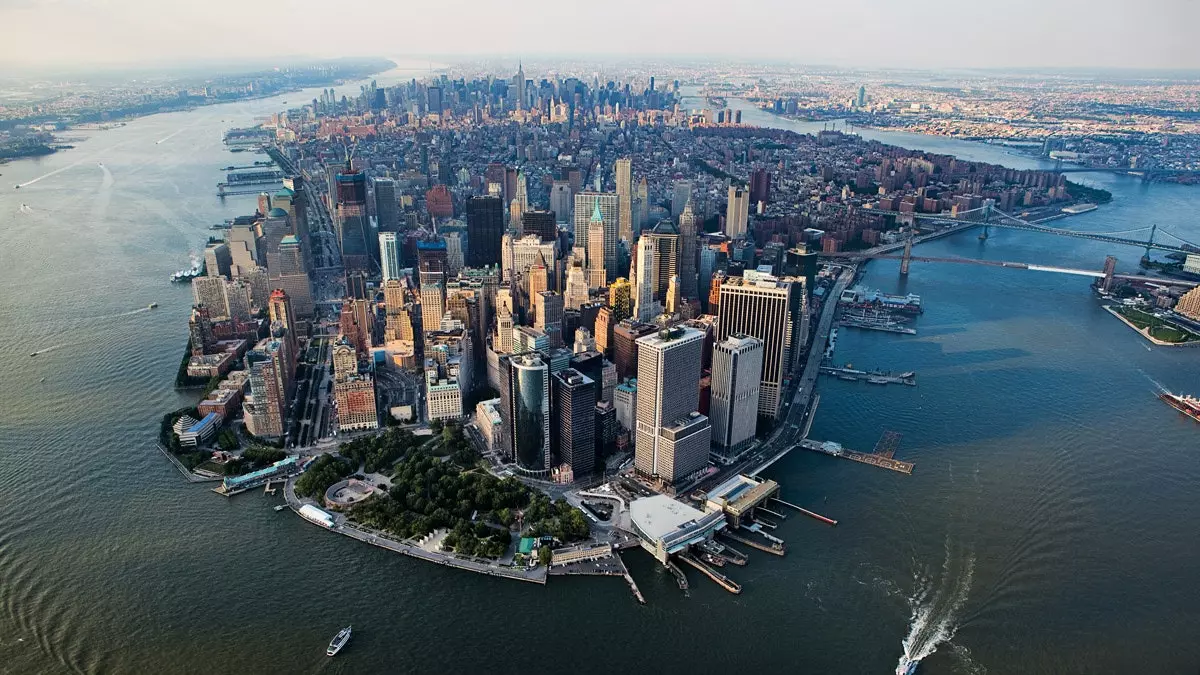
[[255, 457], [453, 443], [378, 453], [324, 472], [182, 379], [558, 519], [482, 540], [227, 440]]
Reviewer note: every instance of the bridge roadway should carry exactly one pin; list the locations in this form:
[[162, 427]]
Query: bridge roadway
[[1095, 274]]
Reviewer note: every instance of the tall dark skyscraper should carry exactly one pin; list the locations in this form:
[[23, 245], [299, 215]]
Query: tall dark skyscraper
[[574, 422], [350, 220], [760, 186], [385, 205], [485, 227], [541, 223]]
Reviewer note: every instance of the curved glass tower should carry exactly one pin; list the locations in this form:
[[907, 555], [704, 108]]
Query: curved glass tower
[[531, 413]]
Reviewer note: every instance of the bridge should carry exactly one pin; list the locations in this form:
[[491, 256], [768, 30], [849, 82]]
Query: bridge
[[1146, 174]]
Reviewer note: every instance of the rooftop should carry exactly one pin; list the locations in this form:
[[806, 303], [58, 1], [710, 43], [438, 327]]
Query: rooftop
[[659, 516]]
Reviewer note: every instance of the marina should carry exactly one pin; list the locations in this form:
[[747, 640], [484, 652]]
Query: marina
[[873, 377]]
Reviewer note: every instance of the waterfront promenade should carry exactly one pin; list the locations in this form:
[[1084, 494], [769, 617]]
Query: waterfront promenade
[[343, 526]]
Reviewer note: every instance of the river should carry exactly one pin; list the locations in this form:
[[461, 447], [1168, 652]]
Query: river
[[1048, 526]]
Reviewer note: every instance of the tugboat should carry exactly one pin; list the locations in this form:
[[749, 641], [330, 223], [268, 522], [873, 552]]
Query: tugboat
[[338, 642]]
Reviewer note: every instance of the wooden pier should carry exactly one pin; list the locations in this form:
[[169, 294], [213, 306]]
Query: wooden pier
[[810, 514], [775, 549], [883, 457], [722, 580]]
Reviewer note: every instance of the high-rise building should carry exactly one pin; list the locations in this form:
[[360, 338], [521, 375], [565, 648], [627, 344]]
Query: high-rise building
[[266, 406], [625, 335], [525, 411], [350, 220], [681, 194], [671, 439], [548, 315], [561, 200], [772, 310], [623, 171], [733, 408], [540, 223], [663, 240], [386, 206], [644, 276], [389, 255], [218, 260], [522, 98], [354, 392], [737, 212], [760, 186], [586, 205], [620, 299], [279, 310], [209, 292], [291, 274], [574, 404], [577, 287], [604, 330], [688, 241], [597, 275]]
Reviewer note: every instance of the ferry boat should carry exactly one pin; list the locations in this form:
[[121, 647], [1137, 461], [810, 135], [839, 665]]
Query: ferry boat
[[196, 270], [1076, 209], [338, 642], [906, 666], [1188, 405]]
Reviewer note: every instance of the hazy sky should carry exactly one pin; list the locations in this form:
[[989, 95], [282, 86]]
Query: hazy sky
[[896, 33]]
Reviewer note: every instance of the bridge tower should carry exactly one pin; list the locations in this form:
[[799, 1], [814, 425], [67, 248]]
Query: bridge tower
[[987, 216], [1110, 266], [1150, 242], [907, 259]]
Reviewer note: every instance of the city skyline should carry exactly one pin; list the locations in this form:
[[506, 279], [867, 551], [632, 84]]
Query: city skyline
[[858, 33]]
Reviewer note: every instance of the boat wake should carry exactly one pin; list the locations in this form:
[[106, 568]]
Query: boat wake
[[935, 608], [47, 349], [170, 136]]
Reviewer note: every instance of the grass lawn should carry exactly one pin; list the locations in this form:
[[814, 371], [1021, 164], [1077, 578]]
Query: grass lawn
[[1159, 330]]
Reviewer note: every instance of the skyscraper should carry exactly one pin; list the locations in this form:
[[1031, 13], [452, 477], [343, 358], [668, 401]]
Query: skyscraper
[[688, 241], [681, 194], [354, 392], [386, 207], [733, 409], [577, 287], [624, 176], [561, 201], [671, 439], [645, 277], [525, 411], [522, 98], [350, 220], [770, 309], [209, 292], [389, 255], [760, 186], [737, 212], [540, 223], [485, 227], [597, 276], [574, 405], [625, 335], [663, 240], [586, 205], [620, 299], [548, 315]]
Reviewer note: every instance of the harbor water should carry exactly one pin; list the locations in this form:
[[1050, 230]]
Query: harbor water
[[1048, 526]]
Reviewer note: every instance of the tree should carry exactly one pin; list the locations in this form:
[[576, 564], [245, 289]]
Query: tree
[[544, 555]]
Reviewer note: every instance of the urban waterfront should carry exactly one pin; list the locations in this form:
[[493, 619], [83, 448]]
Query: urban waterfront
[[1046, 525]]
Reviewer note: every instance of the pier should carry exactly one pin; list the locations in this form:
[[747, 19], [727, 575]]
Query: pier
[[854, 375], [885, 327], [828, 521], [886, 447], [775, 548], [722, 580], [678, 574]]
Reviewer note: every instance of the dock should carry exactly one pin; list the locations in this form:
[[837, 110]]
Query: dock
[[774, 548], [828, 521], [874, 377], [882, 457], [884, 327], [722, 580], [678, 574]]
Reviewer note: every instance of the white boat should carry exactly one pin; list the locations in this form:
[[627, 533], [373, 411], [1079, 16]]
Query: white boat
[[338, 642], [906, 666]]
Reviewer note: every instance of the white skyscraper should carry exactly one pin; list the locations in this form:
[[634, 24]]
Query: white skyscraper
[[645, 276], [389, 255], [624, 177], [586, 204], [577, 287], [737, 212], [671, 439], [736, 374]]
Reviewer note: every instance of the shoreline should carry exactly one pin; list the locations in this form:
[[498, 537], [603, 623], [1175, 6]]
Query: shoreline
[[1145, 332]]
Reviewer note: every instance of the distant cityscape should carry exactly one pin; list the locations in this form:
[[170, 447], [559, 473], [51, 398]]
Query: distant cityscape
[[597, 311]]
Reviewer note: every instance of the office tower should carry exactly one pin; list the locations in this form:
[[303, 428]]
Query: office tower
[[801, 262], [522, 197], [733, 408], [291, 274], [279, 310], [625, 352], [540, 223], [644, 280], [433, 300], [663, 240], [587, 204], [350, 220], [485, 226], [356, 285], [265, 407], [217, 260], [625, 401], [862, 96], [769, 309], [688, 242], [521, 96], [389, 255], [432, 257], [760, 186], [561, 199], [238, 299], [438, 202], [620, 299], [354, 392], [455, 258], [574, 405], [260, 287], [434, 97], [537, 279], [548, 315], [624, 177], [525, 252], [200, 333], [504, 330], [681, 194], [525, 411], [209, 292], [386, 207], [605, 431], [674, 303], [737, 212], [597, 276], [584, 342], [604, 331], [576, 288], [641, 205], [671, 439]]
